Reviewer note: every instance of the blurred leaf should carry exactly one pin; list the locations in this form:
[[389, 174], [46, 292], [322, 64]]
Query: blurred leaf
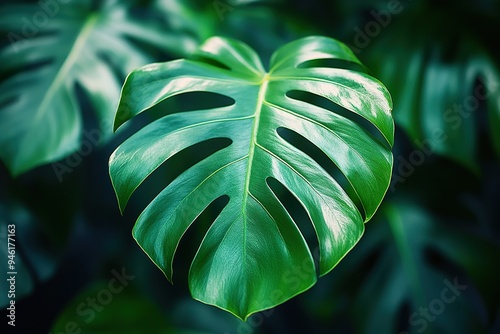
[[100, 310], [251, 20], [34, 260], [414, 263], [440, 85], [254, 225], [64, 46], [493, 82]]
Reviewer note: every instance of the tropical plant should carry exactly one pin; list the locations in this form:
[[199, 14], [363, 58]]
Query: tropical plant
[[240, 263], [436, 231], [445, 91], [67, 53]]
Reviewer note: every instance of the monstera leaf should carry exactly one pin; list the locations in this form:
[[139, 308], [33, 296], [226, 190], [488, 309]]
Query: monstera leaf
[[254, 241], [55, 49], [443, 92]]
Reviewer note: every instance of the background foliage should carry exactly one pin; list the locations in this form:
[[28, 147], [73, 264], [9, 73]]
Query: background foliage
[[438, 224]]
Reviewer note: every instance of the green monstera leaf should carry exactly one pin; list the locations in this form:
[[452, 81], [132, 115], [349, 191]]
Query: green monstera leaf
[[443, 92], [54, 50], [240, 263]]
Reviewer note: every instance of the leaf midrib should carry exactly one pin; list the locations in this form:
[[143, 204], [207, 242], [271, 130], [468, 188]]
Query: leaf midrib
[[253, 143], [253, 139]]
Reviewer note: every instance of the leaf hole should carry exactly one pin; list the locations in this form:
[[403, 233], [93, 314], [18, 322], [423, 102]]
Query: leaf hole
[[403, 315], [172, 168], [324, 103], [191, 240], [90, 117], [334, 63], [17, 69], [181, 103], [114, 64], [189, 102], [323, 160], [298, 214], [211, 61]]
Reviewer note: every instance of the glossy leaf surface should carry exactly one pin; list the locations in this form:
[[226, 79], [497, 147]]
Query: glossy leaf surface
[[240, 263]]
